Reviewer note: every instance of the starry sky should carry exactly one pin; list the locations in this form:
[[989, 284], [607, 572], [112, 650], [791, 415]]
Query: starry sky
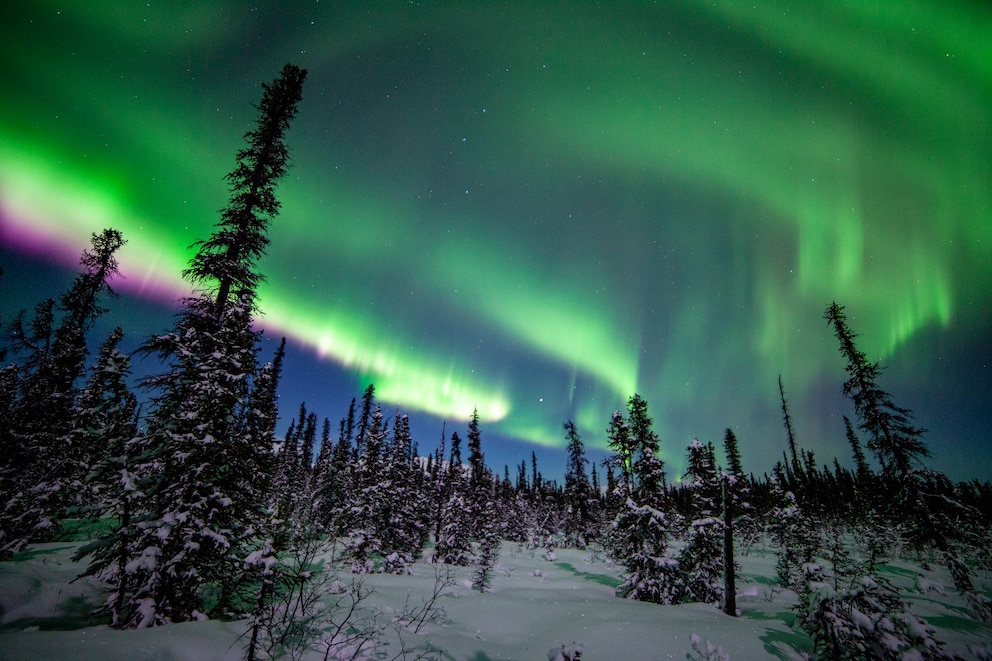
[[537, 209]]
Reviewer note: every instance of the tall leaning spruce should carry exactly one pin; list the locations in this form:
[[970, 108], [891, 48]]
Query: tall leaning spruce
[[921, 497], [203, 470]]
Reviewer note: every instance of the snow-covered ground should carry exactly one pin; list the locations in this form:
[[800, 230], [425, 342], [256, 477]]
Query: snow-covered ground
[[535, 605]]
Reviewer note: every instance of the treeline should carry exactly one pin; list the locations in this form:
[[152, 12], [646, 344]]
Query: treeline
[[195, 501]]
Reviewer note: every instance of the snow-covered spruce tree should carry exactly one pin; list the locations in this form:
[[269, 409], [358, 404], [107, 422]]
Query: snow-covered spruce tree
[[323, 474], [370, 499], [260, 422], [865, 621], [439, 487], [303, 483], [284, 495], [404, 517], [876, 540], [38, 467], [198, 455], [515, 508], [863, 471], [700, 562], [579, 526], [482, 514], [198, 466], [105, 420], [19, 522], [454, 545], [738, 518], [796, 538], [337, 492], [638, 538], [919, 496], [510, 510]]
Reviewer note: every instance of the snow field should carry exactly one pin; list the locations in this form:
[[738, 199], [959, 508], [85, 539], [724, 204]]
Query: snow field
[[535, 605]]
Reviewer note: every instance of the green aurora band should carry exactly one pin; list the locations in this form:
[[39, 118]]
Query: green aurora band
[[537, 211]]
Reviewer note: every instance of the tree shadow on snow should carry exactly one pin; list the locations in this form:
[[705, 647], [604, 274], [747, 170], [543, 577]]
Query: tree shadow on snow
[[74, 613], [602, 579], [784, 644]]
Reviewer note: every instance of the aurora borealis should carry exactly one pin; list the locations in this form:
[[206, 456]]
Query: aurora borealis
[[538, 209]]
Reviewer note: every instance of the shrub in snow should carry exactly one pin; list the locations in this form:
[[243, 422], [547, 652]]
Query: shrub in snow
[[430, 610], [876, 540], [396, 563], [797, 538], [867, 621], [565, 652], [707, 652], [304, 607]]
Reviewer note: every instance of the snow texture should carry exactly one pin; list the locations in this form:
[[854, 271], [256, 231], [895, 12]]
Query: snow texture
[[534, 606]]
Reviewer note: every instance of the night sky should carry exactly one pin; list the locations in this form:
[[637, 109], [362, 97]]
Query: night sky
[[540, 208]]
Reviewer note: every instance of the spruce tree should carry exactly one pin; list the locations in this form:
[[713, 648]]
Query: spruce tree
[[370, 500], [337, 495], [368, 401], [700, 561], [323, 475], [199, 454], [440, 487], [578, 528], [864, 483], [861, 464], [35, 482], [896, 442], [796, 537], [793, 463], [261, 416], [454, 544], [865, 621], [105, 420], [920, 496], [285, 494], [623, 452], [482, 511], [198, 463], [737, 519], [639, 535], [649, 469], [734, 464], [225, 264], [405, 521]]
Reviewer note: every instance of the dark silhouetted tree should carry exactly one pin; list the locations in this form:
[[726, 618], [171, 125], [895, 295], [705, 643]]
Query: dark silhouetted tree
[[203, 510], [793, 463], [896, 442], [225, 264]]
